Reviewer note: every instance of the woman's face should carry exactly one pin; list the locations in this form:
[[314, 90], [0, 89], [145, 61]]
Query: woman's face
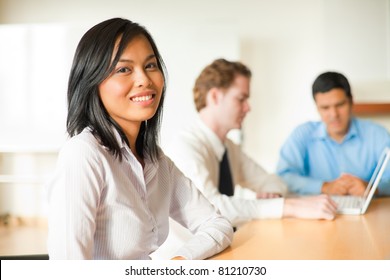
[[132, 92]]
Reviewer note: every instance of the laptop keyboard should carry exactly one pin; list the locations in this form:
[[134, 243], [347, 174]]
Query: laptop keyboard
[[347, 201]]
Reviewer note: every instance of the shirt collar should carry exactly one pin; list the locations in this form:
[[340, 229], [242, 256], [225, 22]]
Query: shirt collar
[[121, 143], [217, 145], [321, 132], [353, 130], [124, 147], [150, 168]]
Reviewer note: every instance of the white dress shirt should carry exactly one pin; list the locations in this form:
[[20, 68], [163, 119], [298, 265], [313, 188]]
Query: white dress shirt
[[197, 152], [101, 208]]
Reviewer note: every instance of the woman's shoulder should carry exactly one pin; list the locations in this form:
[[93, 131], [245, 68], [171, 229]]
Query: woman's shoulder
[[84, 143], [162, 160]]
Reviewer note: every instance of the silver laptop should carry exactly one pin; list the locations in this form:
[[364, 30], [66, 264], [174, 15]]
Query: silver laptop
[[356, 205]]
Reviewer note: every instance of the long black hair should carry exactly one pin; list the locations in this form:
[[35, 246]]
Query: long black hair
[[92, 64]]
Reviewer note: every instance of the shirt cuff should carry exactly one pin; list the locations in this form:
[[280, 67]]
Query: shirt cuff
[[270, 208]]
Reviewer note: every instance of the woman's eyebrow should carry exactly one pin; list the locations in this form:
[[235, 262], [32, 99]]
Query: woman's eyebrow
[[131, 61]]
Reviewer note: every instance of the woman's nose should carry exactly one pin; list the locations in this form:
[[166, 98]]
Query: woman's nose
[[141, 79]]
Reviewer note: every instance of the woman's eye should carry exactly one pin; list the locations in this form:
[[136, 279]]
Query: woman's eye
[[152, 65], [123, 70]]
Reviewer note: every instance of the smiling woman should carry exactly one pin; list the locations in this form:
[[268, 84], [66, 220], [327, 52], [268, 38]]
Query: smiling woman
[[114, 189], [131, 93]]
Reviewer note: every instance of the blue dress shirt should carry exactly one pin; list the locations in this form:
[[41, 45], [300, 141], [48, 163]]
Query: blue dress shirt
[[310, 157]]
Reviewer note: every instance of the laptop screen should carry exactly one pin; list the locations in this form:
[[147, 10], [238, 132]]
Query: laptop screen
[[375, 178]]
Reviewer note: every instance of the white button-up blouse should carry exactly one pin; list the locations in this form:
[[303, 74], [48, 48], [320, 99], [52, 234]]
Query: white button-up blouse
[[103, 208]]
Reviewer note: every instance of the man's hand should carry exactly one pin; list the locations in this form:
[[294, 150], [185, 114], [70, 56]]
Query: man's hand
[[337, 187], [355, 185], [310, 207], [345, 184]]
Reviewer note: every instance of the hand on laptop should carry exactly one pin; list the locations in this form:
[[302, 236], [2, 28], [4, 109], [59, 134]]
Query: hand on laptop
[[346, 184], [310, 207]]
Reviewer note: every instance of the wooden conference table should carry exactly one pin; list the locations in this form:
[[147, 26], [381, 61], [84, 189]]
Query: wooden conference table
[[347, 237]]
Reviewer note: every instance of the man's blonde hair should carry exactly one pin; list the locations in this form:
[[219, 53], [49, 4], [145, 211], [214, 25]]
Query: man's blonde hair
[[219, 74]]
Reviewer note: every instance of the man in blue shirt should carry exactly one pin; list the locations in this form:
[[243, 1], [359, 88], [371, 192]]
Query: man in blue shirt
[[337, 155]]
